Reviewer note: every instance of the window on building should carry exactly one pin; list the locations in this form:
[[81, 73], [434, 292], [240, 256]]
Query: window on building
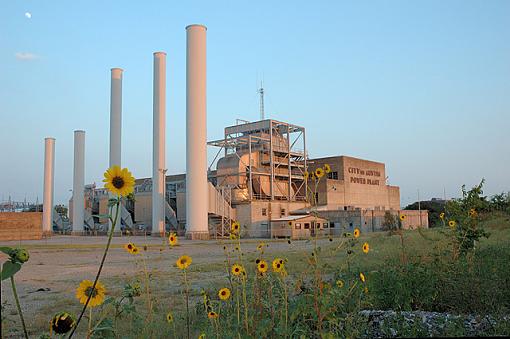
[[332, 224], [282, 212], [307, 225], [264, 211], [297, 226], [333, 175], [325, 225]]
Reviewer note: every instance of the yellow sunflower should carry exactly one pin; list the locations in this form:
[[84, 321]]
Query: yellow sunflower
[[85, 289], [402, 217], [278, 265], [319, 172], [224, 293], [237, 269], [169, 317], [172, 239], [472, 213], [62, 322], [261, 246], [129, 247], [306, 175], [235, 227], [356, 232], [340, 283], [441, 216], [183, 262], [452, 223], [135, 251], [233, 236], [262, 266], [327, 168], [212, 315], [119, 181], [366, 247], [362, 277], [201, 336]]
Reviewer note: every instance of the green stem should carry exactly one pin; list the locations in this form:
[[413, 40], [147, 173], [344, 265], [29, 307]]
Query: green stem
[[187, 301], [19, 307], [110, 236]]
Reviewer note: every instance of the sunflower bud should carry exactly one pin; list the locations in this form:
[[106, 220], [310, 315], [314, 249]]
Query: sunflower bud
[[20, 255]]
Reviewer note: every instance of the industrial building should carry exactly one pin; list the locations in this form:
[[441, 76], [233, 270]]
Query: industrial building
[[258, 178]]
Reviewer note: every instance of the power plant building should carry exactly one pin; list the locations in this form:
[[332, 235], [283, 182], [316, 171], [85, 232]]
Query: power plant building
[[258, 177]]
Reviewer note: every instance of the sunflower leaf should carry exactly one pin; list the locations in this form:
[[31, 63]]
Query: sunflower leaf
[[6, 250], [112, 202], [9, 269]]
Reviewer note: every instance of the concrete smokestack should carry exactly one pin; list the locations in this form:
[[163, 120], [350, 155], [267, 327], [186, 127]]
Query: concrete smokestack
[[196, 134], [158, 148], [49, 177], [78, 182], [115, 125]]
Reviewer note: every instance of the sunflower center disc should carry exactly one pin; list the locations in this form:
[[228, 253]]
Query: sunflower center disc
[[117, 182]]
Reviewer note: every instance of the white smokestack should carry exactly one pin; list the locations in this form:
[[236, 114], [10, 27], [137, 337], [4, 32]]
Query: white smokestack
[[115, 125], [78, 181], [158, 149], [49, 176], [196, 134]]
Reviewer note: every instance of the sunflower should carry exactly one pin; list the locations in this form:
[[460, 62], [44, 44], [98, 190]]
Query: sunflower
[[278, 265], [356, 232], [169, 317], [119, 181], [366, 247], [327, 168], [402, 217], [235, 227], [262, 266], [135, 251], [261, 246], [129, 247], [472, 213], [233, 236], [362, 277], [237, 269], [62, 322], [237, 248], [452, 223], [340, 283], [212, 315], [172, 239], [306, 175], [224, 293], [183, 262], [441, 216], [201, 336], [319, 172], [96, 295]]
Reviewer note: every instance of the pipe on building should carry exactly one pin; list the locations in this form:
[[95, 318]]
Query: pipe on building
[[115, 125], [79, 182], [158, 148], [49, 177], [196, 134]]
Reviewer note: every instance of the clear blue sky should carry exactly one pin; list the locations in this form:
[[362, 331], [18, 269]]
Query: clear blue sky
[[423, 86]]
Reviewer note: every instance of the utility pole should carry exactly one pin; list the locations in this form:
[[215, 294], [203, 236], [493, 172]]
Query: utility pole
[[419, 206]]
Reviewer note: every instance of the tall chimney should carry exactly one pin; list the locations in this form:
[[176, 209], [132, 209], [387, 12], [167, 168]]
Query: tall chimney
[[158, 148], [78, 182], [49, 176], [115, 126], [196, 134]]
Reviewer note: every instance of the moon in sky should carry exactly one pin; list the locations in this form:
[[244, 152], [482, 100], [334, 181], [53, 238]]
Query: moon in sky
[[28, 15]]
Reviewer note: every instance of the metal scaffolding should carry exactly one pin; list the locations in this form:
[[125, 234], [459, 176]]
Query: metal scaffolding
[[262, 160]]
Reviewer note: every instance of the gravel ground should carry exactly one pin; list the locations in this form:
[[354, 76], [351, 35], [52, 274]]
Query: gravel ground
[[47, 282]]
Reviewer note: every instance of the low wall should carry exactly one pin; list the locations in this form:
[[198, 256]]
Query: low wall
[[20, 225]]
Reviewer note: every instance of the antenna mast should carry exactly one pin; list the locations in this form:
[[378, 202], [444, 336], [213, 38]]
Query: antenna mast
[[261, 93]]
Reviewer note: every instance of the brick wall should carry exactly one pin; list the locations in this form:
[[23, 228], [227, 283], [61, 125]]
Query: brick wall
[[20, 226]]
